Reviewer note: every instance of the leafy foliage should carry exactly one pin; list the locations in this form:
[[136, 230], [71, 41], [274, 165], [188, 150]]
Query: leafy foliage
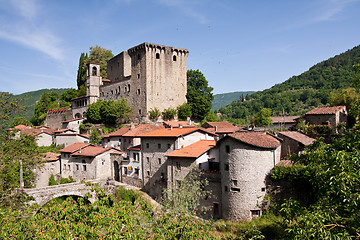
[[263, 118], [169, 114], [20, 121], [81, 74], [154, 114], [184, 111], [101, 56], [300, 94], [95, 137], [199, 94], [52, 180]]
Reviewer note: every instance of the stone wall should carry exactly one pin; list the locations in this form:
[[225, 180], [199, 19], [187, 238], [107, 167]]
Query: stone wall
[[243, 172], [55, 118]]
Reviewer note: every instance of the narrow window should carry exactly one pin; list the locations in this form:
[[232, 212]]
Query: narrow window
[[148, 173], [225, 188], [159, 159], [128, 87], [235, 182], [159, 146], [178, 166], [125, 170], [174, 58], [138, 91], [94, 71], [147, 145], [77, 167], [147, 159], [157, 55], [138, 56], [84, 165], [138, 76], [227, 148], [226, 167], [235, 189], [139, 111], [136, 172]]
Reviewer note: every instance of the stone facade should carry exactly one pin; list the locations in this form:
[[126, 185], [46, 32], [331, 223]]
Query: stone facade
[[243, 171], [55, 118], [326, 115], [67, 139]]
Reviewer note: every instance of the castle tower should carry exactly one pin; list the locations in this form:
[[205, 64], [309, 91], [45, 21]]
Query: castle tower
[[93, 82]]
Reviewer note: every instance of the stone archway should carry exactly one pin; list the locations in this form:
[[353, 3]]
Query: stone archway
[[78, 115]]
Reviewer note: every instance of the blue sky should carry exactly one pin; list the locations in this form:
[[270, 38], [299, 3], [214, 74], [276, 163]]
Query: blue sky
[[238, 44]]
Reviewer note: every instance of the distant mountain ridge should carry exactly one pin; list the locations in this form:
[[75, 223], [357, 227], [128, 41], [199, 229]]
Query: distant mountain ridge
[[223, 99], [301, 93]]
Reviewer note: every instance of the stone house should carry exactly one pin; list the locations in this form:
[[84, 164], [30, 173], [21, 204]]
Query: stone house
[[293, 142], [84, 161], [73, 124], [50, 165], [148, 76], [199, 156], [327, 115], [43, 135], [287, 122], [69, 138], [221, 128], [132, 171], [155, 145], [246, 158], [115, 139]]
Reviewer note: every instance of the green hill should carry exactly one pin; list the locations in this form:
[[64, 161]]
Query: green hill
[[29, 99], [223, 99], [300, 93]]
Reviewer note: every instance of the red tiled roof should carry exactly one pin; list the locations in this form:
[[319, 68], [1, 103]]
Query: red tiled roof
[[90, 151], [221, 127], [135, 148], [286, 119], [194, 150], [33, 130], [257, 139], [176, 123], [74, 147], [326, 110], [118, 132], [302, 138], [142, 129], [285, 163], [50, 156], [174, 132]]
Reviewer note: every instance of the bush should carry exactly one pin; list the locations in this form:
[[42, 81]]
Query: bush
[[67, 180], [169, 114], [52, 181], [154, 114]]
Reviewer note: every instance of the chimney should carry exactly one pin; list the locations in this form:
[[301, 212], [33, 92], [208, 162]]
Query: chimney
[[190, 122], [180, 125], [132, 127], [170, 127], [215, 128]]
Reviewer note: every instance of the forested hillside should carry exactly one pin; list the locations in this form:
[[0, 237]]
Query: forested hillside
[[300, 93], [223, 99], [28, 101]]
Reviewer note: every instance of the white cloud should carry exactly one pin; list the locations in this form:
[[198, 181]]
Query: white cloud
[[329, 9], [22, 27], [186, 7]]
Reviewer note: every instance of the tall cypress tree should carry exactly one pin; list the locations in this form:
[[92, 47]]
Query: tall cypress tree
[[81, 76]]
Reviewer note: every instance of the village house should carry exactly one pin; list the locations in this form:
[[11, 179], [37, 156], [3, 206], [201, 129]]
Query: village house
[[50, 165], [293, 143], [84, 161], [327, 115], [287, 122], [73, 124], [43, 135], [155, 145], [246, 158], [67, 138]]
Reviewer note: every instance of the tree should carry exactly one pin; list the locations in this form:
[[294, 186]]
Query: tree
[[263, 119], [199, 94], [101, 56], [93, 112], [95, 137], [184, 111], [81, 74], [20, 121], [154, 114], [169, 114], [347, 97], [69, 94]]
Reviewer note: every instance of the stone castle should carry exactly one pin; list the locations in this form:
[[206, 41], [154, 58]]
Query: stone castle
[[148, 76]]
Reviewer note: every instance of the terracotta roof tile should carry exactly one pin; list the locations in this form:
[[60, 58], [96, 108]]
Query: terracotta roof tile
[[221, 127], [74, 147], [257, 139], [286, 119], [142, 129], [174, 132], [326, 110], [118, 133], [302, 138], [134, 148], [50, 156], [194, 150], [176, 123], [90, 151]]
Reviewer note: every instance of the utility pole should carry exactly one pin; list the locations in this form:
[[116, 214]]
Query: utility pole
[[21, 176]]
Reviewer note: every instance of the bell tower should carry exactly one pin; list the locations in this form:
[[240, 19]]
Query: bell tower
[[93, 82]]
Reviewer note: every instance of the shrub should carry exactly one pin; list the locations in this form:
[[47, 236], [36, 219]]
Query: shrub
[[169, 114], [52, 181], [67, 180], [154, 114]]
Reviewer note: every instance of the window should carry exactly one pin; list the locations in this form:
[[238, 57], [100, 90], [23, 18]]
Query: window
[[235, 182], [125, 170], [235, 189], [147, 145], [136, 173], [157, 55], [227, 148], [77, 167], [69, 166], [136, 156], [169, 145], [159, 146], [162, 177], [64, 166], [178, 166], [147, 159], [159, 159], [174, 58], [139, 111], [226, 166], [138, 56], [225, 188], [94, 71], [84, 165], [263, 189], [138, 91], [148, 173], [138, 76], [255, 213], [128, 88]]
